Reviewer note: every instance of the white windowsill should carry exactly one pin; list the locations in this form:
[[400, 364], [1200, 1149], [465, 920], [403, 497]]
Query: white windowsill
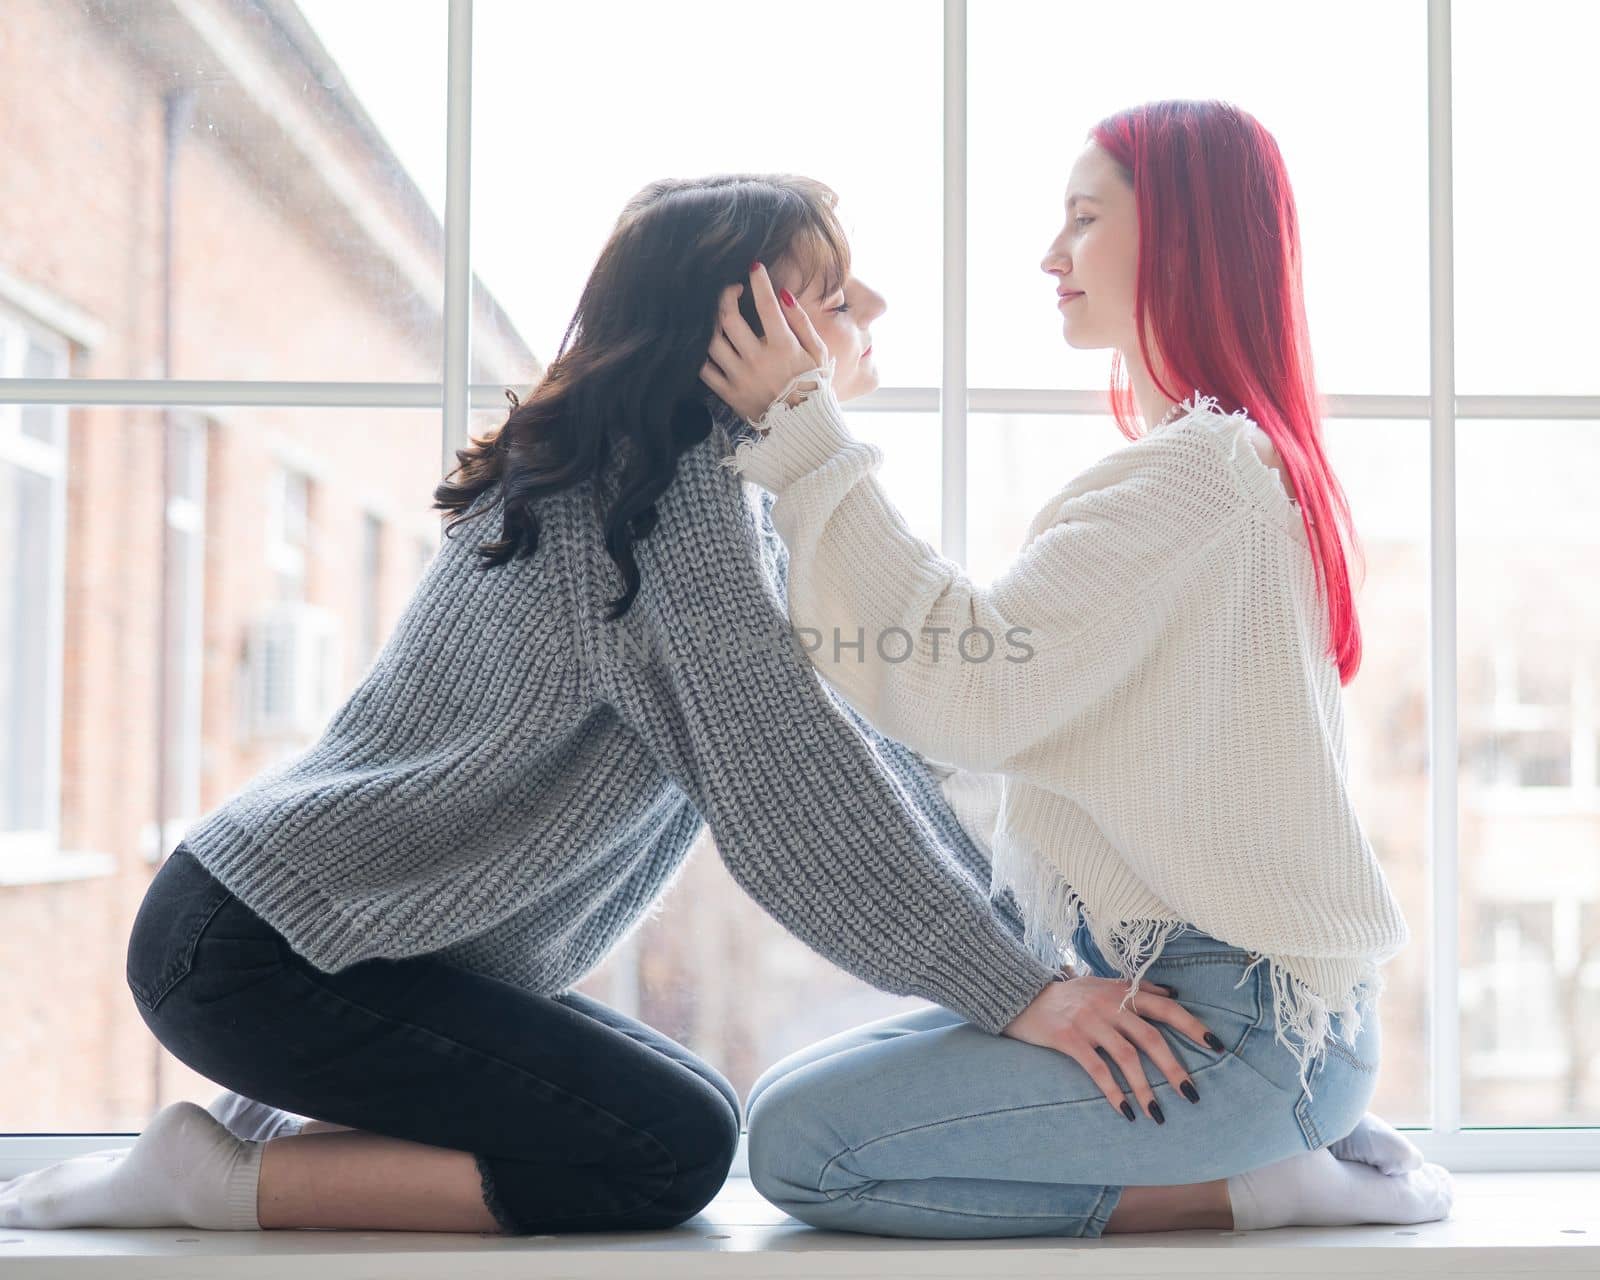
[[1503, 1224]]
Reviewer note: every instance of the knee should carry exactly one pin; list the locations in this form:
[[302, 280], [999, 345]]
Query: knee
[[703, 1146], [786, 1152], [764, 1081]]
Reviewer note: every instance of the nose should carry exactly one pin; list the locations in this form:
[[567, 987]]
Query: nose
[[1054, 261]]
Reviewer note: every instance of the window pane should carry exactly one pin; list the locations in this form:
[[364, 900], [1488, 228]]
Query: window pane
[[28, 554], [718, 975], [43, 422], [372, 560], [189, 459], [1018, 462], [555, 158], [1042, 73], [912, 462], [1015, 463], [1530, 788], [184, 667], [1525, 278], [303, 246], [76, 931]]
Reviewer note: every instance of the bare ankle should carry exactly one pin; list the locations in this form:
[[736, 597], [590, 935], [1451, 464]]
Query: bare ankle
[[1193, 1206], [321, 1126]]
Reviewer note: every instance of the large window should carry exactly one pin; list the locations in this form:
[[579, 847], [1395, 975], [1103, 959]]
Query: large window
[[33, 470], [402, 226]]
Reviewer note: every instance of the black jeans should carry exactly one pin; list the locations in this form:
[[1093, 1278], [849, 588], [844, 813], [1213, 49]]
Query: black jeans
[[580, 1119]]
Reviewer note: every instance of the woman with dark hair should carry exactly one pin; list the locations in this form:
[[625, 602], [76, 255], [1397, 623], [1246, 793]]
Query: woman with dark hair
[[1155, 684], [383, 932]]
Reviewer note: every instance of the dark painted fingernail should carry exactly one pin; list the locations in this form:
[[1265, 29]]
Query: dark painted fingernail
[[788, 298], [1126, 1109], [1188, 1090], [754, 263], [1213, 1042], [1155, 1110]]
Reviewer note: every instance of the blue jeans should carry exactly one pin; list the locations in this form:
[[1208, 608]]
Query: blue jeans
[[921, 1124], [578, 1117]]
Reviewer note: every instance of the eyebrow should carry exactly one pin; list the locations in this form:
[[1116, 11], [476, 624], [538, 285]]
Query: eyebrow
[[1080, 195]]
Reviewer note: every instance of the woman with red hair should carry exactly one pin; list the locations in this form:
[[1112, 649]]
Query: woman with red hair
[[1155, 684]]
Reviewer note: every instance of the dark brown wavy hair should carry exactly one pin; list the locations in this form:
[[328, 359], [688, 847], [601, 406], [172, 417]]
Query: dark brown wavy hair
[[622, 400]]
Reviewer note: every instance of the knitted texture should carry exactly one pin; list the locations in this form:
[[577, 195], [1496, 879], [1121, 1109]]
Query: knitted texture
[[960, 805], [515, 780], [1158, 696]]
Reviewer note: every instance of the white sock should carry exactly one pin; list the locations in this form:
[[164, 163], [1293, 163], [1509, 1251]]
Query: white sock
[[1317, 1189], [1374, 1141], [185, 1170], [254, 1121]]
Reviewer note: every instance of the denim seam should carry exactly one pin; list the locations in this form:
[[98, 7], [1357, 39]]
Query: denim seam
[[553, 1088], [1099, 1216], [1206, 957], [184, 965], [972, 1213], [1308, 1126], [1343, 1052]]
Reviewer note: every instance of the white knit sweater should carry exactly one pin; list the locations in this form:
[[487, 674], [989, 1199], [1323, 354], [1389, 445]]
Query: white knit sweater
[[1158, 698]]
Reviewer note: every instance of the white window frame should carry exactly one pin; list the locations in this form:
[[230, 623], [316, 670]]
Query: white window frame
[[374, 558], [1444, 1138], [286, 546], [186, 523], [32, 855]]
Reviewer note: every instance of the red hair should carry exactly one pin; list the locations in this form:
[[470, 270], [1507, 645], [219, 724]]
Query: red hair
[[1219, 292]]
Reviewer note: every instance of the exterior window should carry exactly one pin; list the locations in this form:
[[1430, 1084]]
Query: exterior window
[[33, 447]]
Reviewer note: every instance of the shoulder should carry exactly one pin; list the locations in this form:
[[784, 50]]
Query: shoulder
[[708, 538], [1175, 474], [705, 498], [1205, 417], [1251, 458]]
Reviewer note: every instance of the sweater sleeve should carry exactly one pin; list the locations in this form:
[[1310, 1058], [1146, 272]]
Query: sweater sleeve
[[965, 828], [798, 809], [975, 676]]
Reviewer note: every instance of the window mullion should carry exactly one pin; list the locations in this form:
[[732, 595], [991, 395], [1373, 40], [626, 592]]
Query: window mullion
[[953, 398], [1443, 730], [457, 233]]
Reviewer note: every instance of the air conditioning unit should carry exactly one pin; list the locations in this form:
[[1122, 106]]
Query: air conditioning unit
[[294, 670]]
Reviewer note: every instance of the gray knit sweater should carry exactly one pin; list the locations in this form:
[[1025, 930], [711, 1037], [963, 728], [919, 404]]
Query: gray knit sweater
[[515, 779]]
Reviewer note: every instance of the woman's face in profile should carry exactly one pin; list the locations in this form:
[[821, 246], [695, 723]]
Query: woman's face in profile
[[1095, 258], [843, 321]]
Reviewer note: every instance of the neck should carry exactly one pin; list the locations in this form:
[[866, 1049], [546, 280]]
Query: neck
[[1153, 405]]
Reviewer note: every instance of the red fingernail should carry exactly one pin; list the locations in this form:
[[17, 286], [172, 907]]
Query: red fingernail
[[788, 298], [754, 263]]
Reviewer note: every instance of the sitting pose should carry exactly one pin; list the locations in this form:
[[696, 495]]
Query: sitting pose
[[383, 933], [1155, 684]]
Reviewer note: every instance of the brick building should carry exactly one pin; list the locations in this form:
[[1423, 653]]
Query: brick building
[[187, 191]]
